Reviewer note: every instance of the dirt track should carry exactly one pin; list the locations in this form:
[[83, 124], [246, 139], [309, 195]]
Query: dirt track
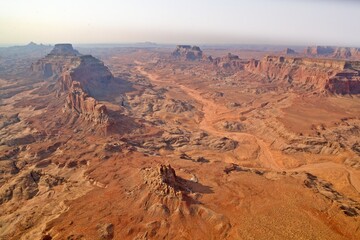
[[213, 113]]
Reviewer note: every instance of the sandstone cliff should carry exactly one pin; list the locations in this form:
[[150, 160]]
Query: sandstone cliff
[[52, 65], [82, 77], [335, 76], [80, 102]]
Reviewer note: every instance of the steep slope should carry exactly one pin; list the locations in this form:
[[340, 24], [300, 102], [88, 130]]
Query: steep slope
[[82, 77]]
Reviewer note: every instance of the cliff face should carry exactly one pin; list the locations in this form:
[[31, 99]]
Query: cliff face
[[82, 77], [335, 76], [79, 101], [62, 56], [187, 52], [93, 75]]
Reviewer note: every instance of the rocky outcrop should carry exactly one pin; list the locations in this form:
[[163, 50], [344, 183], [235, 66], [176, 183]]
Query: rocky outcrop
[[82, 77], [348, 206], [91, 73], [187, 52], [26, 185], [335, 76], [80, 102], [230, 61], [106, 231], [163, 181], [60, 59]]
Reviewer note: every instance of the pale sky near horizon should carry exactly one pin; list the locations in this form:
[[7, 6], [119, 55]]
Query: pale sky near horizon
[[293, 22]]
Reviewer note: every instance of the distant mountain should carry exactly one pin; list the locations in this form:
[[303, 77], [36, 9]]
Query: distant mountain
[[30, 50], [333, 52]]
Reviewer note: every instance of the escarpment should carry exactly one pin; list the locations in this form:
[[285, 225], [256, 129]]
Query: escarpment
[[82, 77], [334, 76], [80, 102], [90, 72]]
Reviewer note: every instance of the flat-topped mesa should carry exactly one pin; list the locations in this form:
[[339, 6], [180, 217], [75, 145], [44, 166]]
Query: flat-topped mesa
[[93, 75], [82, 77], [187, 52], [64, 49], [335, 76], [65, 65], [61, 57]]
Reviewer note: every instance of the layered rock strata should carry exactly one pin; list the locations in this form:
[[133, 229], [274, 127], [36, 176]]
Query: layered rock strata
[[334, 76], [82, 77]]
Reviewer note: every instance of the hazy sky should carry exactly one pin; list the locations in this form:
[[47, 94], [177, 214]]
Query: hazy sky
[[306, 22]]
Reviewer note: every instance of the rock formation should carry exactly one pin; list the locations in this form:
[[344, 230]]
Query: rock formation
[[163, 181], [90, 72], [80, 102], [347, 53], [334, 52], [319, 50], [289, 51], [61, 58], [64, 49], [230, 61], [335, 76], [187, 52], [82, 77]]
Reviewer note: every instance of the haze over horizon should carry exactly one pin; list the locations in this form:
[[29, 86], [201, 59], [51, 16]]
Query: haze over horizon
[[294, 22]]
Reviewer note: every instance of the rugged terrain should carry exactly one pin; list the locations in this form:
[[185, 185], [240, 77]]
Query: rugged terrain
[[334, 76], [136, 143], [333, 52]]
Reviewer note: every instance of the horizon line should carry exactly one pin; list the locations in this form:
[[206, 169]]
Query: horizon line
[[175, 44]]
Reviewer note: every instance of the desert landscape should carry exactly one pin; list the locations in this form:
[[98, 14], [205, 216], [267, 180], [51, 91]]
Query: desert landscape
[[201, 120], [160, 143]]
